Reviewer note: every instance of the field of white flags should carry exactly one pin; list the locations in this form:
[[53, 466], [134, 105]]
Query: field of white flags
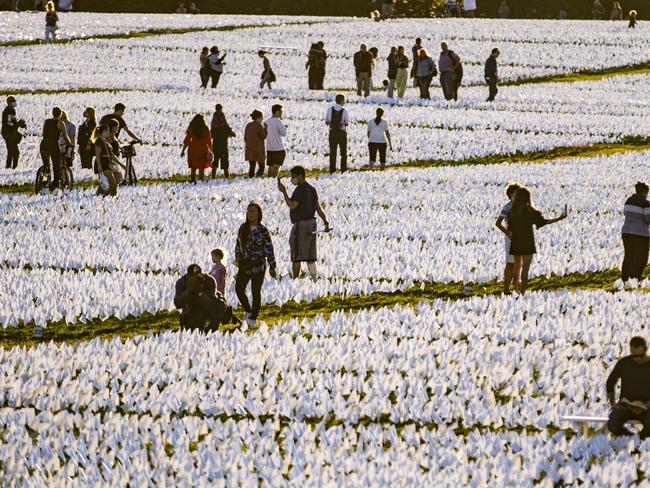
[[467, 393], [375, 374]]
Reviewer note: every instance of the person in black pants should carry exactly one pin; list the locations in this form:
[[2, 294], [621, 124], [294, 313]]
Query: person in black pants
[[10, 134], [634, 403], [253, 251], [491, 74], [84, 140], [337, 118], [196, 296], [221, 131], [636, 233], [50, 151]]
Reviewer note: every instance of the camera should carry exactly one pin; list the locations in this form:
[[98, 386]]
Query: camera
[[128, 151]]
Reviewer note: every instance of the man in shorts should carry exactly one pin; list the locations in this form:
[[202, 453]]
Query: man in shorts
[[275, 132], [502, 225], [303, 206]]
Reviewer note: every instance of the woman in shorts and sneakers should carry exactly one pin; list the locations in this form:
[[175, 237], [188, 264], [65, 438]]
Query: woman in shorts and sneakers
[[105, 161], [303, 206], [502, 225]]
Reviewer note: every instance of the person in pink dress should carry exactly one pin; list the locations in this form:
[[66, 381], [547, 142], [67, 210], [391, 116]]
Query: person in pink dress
[[218, 271], [199, 141]]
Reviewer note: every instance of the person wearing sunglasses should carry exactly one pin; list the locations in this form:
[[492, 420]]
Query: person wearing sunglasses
[[634, 402]]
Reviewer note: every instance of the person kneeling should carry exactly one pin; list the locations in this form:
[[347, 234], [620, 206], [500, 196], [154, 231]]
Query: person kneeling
[[202, 307], [634, 404]]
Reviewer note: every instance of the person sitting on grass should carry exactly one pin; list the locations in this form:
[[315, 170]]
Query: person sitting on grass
[[634, 402], [200, 306]]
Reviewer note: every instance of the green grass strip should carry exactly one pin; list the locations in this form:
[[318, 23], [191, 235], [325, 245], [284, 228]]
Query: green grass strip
[[626, 144], [324, 306], [154, 32], [584, 75]]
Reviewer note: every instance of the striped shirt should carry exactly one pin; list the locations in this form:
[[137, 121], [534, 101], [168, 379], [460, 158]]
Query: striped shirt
[[637, 216]]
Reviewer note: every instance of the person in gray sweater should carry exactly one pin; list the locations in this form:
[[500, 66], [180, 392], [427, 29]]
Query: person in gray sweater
[[636, 233]]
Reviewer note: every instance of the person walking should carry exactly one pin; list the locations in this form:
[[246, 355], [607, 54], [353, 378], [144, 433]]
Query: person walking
[[221, 132], [401, 79], [106, 161], [254, 136], [303, 207], [10, 134], [275, 132], [363, 70], [51, 22], [597, 10], [634, 402], [491, 74], [415, 51], [84, 139], [53, 129], [633, 22], [469, 6], [204, 63], [523, 216], [67, 149], [337, 118], [636, 233], [268, 76], [215, 65], [504, 10], [199, 141], [321, 62], [448, 64], [616, 12], [392, 71], [378, 139], [502, 225], [453, 9], [118, 115], [426, 70], [253, 251]]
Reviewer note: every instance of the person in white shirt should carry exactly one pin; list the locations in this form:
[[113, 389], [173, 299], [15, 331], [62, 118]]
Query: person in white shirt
[[67, 150], [276, 130], [337, 118], [378, 139]]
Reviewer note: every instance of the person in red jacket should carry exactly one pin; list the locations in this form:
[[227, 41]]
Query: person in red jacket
[[199, 141]]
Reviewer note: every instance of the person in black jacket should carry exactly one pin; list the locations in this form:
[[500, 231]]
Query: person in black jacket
[[84, 138], [634, 402], [392, 71], [491, 74], [10, 134], [196, 296]]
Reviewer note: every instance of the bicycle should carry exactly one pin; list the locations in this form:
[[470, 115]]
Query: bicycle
[[128, 153], [44, 177]]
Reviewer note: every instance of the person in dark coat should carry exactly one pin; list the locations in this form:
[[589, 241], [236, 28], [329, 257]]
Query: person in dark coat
[[634, 403], [10, 134], [392, 71], [84, 139], [316, 61], [522, 218], [636, 233], [196, 296], [491, 74], [221, 131]]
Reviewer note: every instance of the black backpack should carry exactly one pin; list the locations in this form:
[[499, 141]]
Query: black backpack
[[336, 119]]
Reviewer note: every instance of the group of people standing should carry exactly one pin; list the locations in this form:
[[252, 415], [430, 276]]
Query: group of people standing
[[423, 70], [254, 255]]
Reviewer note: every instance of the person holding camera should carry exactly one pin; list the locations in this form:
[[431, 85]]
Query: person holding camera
[[221, 131], [253, 251], [196, 296], [10, 134]]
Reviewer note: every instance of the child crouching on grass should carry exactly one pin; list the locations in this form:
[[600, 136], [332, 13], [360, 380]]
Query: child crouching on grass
[[218, 271]]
